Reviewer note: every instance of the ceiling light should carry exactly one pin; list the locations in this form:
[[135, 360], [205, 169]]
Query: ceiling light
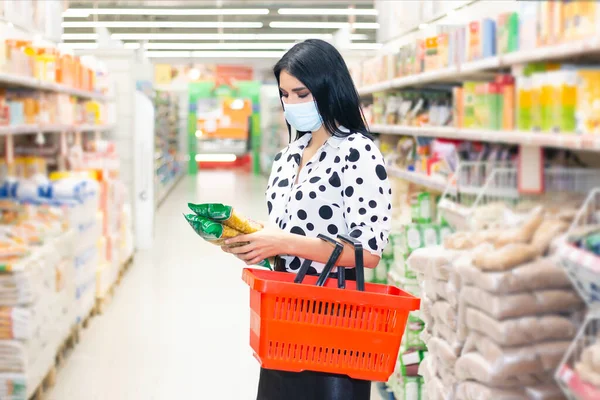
[[218, 46], [161, 24], [79, 36], [327, 11], [194, 74], [76, 13], [233, 46], [215, 157], [323, 25], [222, 36], [214, 54], [86, 12]]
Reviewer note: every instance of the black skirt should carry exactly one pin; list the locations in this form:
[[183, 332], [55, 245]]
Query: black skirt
[[308, 385]]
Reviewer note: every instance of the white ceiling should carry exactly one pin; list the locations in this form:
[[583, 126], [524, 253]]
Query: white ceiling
[[316, 21]]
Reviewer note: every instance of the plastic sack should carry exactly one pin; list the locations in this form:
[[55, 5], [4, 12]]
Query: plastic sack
[[473, 366], [226, 215], [514, 361], [444, 313], [519, 304], [589, 365], [543, 273], [450, 336], [547, 232], [478, 391], [444, 290], [520, 331], [591, 357], [215, 232], [467, 240], [505, 258], [547, 391], [524, 232], [443, 352], [423, 259]]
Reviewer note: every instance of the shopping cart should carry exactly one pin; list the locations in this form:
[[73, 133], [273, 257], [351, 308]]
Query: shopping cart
[[311, 323]]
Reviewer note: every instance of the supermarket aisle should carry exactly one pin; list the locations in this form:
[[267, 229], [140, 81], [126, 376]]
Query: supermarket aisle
[[178, 324]]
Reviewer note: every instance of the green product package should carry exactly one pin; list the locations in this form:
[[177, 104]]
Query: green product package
[[414, 237], [445, 230], [424, 204], [226, 215], [469, 95], [430, 234], [216, 232]]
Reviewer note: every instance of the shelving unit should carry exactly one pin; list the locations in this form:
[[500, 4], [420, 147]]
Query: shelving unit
[[53, 128], [36, 84], [437, 184], [469, 69], [540, 139], [169, 168]]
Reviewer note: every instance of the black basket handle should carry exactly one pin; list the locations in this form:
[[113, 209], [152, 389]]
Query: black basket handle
[[335, 255], [358, 260]]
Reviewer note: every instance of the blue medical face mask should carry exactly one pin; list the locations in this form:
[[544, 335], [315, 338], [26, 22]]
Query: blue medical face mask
[[303, 117]]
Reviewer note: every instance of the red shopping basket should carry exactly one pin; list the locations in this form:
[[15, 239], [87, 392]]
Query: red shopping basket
[[300, 323]]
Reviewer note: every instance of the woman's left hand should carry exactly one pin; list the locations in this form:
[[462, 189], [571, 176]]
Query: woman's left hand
[[266, 243]]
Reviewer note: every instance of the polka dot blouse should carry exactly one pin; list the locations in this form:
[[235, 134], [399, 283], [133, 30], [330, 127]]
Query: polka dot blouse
[[344, 188]]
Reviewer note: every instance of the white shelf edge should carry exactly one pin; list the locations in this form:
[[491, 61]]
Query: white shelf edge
[[417, 178], [50, 128], [94, 128], [557, 140], [564, 50], [33, 83]]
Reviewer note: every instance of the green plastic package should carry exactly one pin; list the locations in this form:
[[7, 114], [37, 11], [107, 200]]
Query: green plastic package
[[225, 215], [215, 231]]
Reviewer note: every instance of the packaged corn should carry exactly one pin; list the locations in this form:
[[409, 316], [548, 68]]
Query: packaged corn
[[225, 215], [216, 232]]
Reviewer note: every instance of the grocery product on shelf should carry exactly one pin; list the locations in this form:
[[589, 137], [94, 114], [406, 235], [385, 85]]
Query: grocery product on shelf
[[168, 160], [533, 24], [20, 107]]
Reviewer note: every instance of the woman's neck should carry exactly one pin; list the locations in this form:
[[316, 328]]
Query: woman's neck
[[320, 136]]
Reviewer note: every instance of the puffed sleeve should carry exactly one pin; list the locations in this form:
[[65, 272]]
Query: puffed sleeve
[[367, 194]]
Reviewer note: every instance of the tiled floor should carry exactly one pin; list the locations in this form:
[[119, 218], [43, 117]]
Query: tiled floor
[[177, 327]]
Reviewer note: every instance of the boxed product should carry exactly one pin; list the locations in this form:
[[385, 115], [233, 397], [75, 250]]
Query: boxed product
[[507, 39]]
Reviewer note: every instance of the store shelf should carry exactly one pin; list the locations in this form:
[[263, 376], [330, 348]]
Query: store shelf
[[429, 182], [559, 140], [465, 70], [33, 83], [50, 128], [93, 128], [578, 388], [164, 192]]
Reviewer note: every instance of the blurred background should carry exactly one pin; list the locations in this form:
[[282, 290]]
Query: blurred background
[[115, 114]]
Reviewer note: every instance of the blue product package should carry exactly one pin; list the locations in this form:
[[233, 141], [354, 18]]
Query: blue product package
[[488, 38]]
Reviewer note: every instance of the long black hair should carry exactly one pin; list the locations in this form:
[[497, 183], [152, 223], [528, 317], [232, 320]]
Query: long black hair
[[321, 68]]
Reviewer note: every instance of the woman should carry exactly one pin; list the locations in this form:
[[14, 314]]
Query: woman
[[330, 180]]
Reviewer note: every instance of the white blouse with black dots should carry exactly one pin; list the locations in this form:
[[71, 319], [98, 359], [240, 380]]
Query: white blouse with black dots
[[344, 188]]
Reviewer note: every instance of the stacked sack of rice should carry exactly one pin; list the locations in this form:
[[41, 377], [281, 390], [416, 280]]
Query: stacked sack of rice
[[500, 311]]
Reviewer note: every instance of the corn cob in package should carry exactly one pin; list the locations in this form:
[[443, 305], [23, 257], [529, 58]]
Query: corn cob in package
[[216, 222]]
